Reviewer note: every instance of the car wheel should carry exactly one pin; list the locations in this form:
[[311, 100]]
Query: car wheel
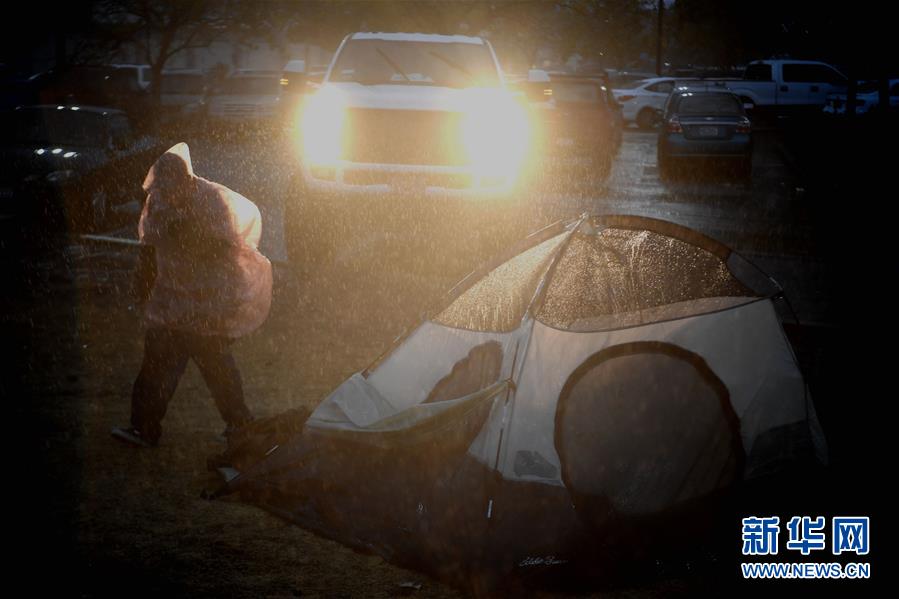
[[647, 118]]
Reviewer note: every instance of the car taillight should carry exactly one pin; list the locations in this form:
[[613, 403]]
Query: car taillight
[[674, 125], [625, 98], [744, 126]]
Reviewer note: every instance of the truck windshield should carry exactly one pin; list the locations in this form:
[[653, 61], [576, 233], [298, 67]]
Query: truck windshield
[[377, 62]]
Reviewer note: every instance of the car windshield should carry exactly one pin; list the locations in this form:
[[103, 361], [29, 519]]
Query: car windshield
[[699, 103], [65, 127], [182, 84], [251, 86], [580, 93], [376, 62]]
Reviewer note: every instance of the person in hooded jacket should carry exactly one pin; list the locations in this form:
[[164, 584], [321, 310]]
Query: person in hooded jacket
[[208, 285]]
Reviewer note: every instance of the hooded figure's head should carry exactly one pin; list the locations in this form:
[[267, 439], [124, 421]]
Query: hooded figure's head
[[172, 174]]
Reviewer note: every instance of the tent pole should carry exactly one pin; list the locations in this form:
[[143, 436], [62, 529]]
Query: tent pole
[[514, 376], [460, 288], [540, 292]]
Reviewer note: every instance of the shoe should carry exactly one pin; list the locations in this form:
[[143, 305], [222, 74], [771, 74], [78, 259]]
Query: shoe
[[131, 436]]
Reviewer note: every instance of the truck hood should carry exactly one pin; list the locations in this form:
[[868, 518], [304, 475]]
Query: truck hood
[[408, 97]]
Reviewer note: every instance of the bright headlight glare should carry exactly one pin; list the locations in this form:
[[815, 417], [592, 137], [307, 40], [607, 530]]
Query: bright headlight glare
[[321, 127], [495, 134]]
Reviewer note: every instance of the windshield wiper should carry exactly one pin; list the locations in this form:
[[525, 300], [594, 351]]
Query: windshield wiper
[[452, 63], [392, 64]]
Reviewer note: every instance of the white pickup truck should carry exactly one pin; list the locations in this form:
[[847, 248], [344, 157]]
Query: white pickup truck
[[785, 83], [398, 112], [406, 119]]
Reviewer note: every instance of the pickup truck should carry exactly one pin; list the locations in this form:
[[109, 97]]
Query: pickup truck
[[404, 119], [786, 84], [247, 97]]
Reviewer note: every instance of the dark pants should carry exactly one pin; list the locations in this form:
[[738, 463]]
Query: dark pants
[[165, 358]]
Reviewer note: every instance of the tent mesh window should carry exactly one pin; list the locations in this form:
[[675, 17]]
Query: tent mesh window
[[625, 277], [478, 370], [643, 427], [498, 301]]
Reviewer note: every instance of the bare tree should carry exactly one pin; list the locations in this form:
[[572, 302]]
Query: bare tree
[[160, 30]]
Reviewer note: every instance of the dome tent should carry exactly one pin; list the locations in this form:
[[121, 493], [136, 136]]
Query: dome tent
[[606, 373]]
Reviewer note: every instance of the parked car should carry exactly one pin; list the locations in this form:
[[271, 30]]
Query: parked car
[[867, 97], [701, 123], [143, 72], [574, 116], [643, 103], [108, 86], [249, 97], [78, 162], [293, 76], [182, 94], [787, 84]]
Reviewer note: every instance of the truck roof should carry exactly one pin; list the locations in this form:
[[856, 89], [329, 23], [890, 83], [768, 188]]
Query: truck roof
[[432, 38]]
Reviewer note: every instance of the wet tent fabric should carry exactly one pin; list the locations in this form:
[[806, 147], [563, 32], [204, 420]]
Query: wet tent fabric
[[609, 369]]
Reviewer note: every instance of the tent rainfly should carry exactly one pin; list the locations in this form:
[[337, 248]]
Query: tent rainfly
[[606, 376]]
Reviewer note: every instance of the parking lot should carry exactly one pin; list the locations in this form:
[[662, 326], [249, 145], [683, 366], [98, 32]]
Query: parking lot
[[78, 347]]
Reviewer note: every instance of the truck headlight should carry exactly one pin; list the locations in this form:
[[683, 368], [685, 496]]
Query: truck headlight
[[495, 135], [321, 127]]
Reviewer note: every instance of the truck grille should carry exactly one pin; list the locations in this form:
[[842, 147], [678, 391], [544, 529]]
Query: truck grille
[[420, 137]]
